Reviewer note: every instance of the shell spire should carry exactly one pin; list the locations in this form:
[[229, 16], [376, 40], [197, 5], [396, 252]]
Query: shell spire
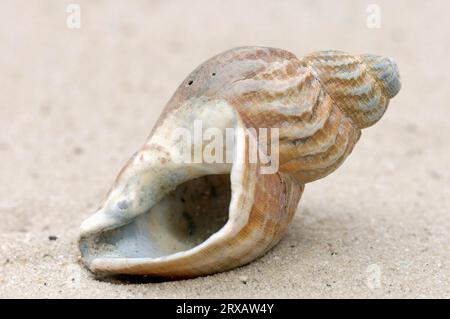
[[360, 85], [167, 216]]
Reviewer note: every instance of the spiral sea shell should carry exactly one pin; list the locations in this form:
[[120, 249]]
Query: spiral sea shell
[[168, 218]]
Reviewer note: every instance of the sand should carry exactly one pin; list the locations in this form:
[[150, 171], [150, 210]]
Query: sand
[[76, 103]]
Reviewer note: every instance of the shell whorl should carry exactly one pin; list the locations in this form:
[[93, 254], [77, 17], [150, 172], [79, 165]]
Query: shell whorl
[[360, 85]]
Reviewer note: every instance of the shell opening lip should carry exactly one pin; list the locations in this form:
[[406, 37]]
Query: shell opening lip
[[183, 219], [197, 214]]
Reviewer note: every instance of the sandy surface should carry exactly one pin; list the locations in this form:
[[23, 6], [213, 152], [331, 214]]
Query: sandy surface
[[75, 104]]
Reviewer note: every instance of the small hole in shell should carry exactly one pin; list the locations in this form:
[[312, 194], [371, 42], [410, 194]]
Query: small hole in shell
[[190, 82]]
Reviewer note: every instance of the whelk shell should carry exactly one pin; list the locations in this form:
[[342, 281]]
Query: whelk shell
[[168, 218]]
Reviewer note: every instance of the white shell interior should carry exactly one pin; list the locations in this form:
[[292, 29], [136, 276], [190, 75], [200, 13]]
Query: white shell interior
[[183, 219]]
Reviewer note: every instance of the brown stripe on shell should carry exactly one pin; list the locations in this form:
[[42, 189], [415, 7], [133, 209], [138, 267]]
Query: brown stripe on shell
[[321, 140], [348, 81]]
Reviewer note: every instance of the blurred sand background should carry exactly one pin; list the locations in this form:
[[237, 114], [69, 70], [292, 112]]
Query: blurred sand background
[[76, 103]]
